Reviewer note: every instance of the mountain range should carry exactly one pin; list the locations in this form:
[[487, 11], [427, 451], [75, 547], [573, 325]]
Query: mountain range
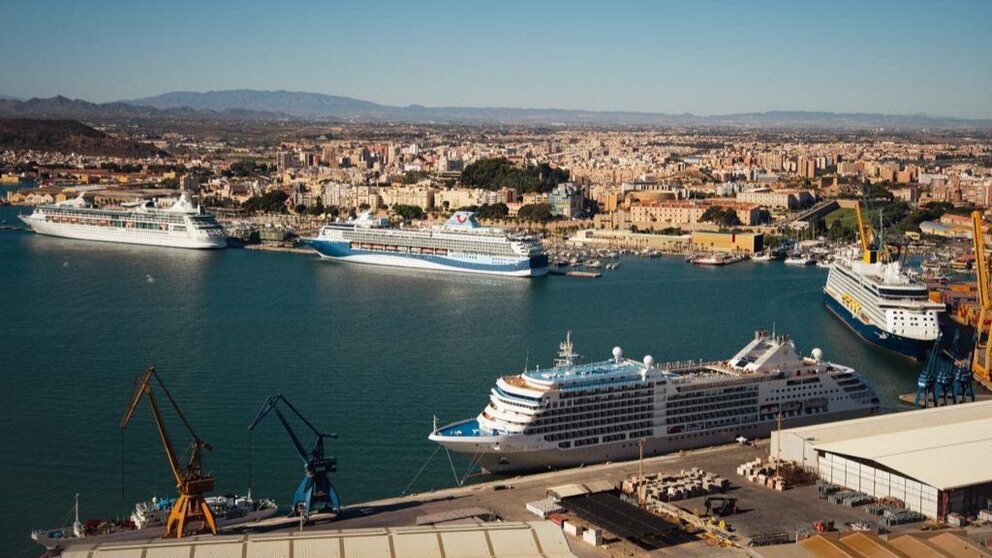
[[249, 104], [68, 136]]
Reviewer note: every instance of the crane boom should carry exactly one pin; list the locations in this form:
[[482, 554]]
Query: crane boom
[[981, 259], [315, 492], [863, 229], [191, 482]]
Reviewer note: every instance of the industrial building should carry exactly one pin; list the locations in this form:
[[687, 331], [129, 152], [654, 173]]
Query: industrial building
[[864, 545], [748, 243], [934, 460], [509, 540]]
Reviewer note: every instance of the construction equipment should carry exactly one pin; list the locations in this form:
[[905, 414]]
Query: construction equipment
[[315, 492], [983, 350], [721, 505], [926, 383], [191, 481], [872, 244]]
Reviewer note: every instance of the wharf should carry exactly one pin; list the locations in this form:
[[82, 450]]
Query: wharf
[[275, 248], [585, 274], [763, 511], [910, 399], [13, 228]]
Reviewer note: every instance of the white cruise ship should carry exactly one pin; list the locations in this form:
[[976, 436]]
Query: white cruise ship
[[575, 414], [183, 225], [881, 304], [461, 244]]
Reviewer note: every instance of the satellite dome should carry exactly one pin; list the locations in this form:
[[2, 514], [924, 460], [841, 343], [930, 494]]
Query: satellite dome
[[648, 361], [617, 353], [817, 355]]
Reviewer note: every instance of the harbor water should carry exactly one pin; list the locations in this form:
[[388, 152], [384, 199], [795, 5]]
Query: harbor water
[[371, 354]]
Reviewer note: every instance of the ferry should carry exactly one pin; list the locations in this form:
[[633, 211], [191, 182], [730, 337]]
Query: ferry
[[183, 225], [148, 519], [582, 414], [881, 304], [460, 245]]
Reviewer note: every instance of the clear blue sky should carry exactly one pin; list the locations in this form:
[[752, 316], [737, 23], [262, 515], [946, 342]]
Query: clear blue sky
[[704, 57]]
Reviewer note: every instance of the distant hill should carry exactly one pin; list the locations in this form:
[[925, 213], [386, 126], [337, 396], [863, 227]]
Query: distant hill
[[295, 103], [63, 107], [320, 106], [68, 136]]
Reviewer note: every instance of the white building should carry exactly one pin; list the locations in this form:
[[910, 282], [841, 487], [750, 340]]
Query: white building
[[934, 460]]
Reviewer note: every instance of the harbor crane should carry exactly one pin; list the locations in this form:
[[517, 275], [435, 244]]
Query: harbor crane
[[872, 244], [983, 350], [315, 492], [191, 481]]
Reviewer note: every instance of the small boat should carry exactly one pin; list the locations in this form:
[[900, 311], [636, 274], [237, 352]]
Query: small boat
[[799, 259], [148, 521]]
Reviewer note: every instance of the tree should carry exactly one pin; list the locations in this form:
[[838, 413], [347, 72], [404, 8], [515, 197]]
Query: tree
[[721, 216], [493, 211], [493, 174], [535, 212], [408, 212], [269, 202]]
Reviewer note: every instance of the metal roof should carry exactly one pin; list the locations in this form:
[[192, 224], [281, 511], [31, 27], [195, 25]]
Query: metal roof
[[919, 444], [499, 540], [862, 545]]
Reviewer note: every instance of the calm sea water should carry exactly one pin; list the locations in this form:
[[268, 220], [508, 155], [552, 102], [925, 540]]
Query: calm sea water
[[371, 354]]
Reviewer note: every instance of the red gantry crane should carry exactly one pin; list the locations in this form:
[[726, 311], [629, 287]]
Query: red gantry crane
[[191, 481]]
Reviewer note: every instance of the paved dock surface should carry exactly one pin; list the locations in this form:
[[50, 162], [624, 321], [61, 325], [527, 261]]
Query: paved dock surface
[[762, 510]]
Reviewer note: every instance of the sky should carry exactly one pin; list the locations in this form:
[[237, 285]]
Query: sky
[[703, 57]]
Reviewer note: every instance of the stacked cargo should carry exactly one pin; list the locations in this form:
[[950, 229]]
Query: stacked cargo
[[669, 488], [763, 474]]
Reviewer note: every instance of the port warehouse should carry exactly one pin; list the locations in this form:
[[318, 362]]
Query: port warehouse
[[497, 540], [748, 243], [864, 545], [934, 460]]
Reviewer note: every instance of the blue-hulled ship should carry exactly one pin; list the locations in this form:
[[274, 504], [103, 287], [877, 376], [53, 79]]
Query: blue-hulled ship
[[879, 302], [460, 245]]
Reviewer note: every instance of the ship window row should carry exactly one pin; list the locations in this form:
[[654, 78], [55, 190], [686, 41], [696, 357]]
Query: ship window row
[[713, 407], [460, 244], [617, 404], [586, 423], [703, 416], [723, 387], [158, 218], [592, 397], [599, 431], [711, 399], [585, 416]]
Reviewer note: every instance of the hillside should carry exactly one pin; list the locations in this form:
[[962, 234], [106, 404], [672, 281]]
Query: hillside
[[67, 136]]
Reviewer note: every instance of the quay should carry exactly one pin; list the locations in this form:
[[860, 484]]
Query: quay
[[763, 513], [276, 248]]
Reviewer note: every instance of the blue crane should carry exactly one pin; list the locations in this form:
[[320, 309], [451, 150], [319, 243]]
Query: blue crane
[[926, 382], [315, 492]]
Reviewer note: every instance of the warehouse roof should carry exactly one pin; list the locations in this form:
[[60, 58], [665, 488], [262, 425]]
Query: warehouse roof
[[511, 540], [918, 444], [925, 453], [862, 545]]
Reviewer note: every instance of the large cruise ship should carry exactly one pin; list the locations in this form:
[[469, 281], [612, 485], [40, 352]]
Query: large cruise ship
[[461, 244], [183, 225], [574, 414], [881, 304]]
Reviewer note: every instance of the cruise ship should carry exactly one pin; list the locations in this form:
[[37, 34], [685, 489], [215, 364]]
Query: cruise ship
[[581, 414], [461, 244], [881, 304], [183, 225]]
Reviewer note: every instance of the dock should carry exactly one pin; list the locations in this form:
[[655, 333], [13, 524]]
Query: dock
[[274, 248], [585, 274], [910, 399]]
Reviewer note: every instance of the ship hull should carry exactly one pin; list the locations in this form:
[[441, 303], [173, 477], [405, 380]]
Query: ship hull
[[124, 236], [343, 252], [912, 349], [490, 453]]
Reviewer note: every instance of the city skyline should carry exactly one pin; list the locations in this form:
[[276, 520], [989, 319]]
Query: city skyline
[[706, 59]]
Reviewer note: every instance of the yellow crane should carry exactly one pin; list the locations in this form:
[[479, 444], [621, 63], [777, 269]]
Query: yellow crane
[[983, 350], [191, 481], [872, 244]]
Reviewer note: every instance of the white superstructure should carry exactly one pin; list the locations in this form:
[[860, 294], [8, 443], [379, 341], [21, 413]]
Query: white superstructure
[[183, 225], [590, 413], [461, 244], [882, 304]]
